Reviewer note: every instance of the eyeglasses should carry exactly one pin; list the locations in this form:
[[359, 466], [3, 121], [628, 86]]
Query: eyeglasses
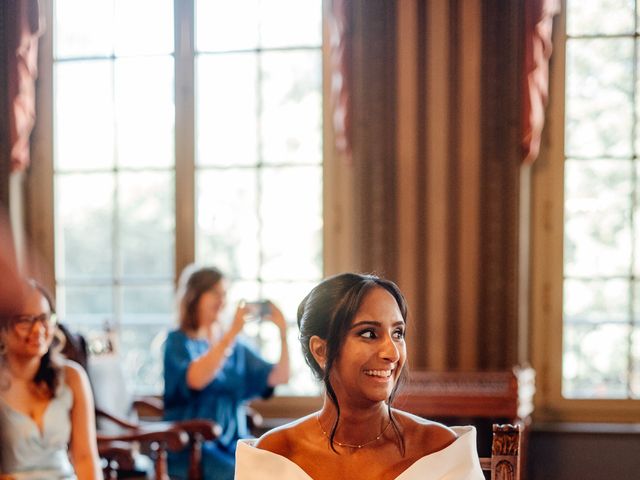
[[25, 323]]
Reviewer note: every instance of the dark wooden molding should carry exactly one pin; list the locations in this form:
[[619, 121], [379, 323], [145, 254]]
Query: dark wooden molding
[[453, 254], [420, 301]]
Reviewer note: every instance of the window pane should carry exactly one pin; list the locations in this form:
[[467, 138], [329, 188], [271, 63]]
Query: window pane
[[146, 213], [635, 359], [83, 115], [292, 118], [224, 26], [248, 290], [85, 307], [290, 23], [301, 380], [141, 348], [637, 104], [83, 28], [600, 16], [114, 114], [595, 360], [226, 110], [145, 111], [84, 219], [292, 223], [287, 295], [594, 301], [599, 99], [227, 223], [143, 27], [148, 303], [597, 217]]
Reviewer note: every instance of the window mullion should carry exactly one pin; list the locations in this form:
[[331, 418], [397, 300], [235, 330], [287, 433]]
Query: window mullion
[[184, 54], [634, 206]]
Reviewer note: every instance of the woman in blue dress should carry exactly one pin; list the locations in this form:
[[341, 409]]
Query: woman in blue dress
[[210, 372]]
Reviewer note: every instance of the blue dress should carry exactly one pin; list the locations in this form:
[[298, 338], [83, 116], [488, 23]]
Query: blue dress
[[242, 377]]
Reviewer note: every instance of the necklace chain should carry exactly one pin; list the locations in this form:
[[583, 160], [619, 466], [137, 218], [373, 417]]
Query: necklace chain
[[348, 445]]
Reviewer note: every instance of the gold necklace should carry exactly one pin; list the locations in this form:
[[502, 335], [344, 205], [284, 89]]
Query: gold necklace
[[348, 445]]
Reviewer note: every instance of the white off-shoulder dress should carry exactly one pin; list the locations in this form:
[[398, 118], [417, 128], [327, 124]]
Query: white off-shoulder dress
[[458, 461]]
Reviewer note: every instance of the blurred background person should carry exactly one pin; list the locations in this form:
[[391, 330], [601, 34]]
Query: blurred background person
[[47, 424], [210, 372]]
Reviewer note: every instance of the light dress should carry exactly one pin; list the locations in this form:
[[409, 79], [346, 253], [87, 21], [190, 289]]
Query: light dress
[[27, 453], [458, 461]]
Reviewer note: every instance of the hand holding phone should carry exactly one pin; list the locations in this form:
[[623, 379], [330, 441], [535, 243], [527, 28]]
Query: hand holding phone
[[259, 308]]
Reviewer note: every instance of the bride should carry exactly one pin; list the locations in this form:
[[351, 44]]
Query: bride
[[352, 331]]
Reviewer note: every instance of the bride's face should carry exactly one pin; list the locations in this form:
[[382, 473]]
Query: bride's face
[[374, 351]]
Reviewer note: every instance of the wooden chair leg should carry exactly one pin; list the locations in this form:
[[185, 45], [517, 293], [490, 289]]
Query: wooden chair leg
[[195, 457], [110, 471], [160, 461]]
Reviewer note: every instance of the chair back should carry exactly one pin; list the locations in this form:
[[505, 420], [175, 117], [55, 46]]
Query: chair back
[[75, 346], [110, 391], [505, 461]]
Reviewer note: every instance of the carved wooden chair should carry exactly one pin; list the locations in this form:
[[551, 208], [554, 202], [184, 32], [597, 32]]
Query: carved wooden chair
[[505, 462], [480, 398], [119, 451], [121, 435]]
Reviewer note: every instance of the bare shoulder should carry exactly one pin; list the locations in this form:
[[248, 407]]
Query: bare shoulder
[[424, 434], [284, 439], [74, 375]]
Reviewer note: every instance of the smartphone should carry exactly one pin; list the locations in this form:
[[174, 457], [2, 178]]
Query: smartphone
[[260, 307]]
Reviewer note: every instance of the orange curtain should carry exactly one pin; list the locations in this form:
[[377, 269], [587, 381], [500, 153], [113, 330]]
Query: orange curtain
[[538, 29], [22, 60]]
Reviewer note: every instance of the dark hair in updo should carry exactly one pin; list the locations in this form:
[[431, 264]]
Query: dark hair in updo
[[328, 312]]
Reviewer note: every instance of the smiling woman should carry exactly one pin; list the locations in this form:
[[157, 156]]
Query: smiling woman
[[47, 428], [352, 330]]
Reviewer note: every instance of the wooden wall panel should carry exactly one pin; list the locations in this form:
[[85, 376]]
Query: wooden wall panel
[[443, 213], [408, 166], [373, 134], [437, 208], [438, 184], [469, 168], [500, 194]]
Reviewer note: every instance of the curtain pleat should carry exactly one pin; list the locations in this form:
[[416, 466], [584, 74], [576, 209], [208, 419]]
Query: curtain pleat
[[24, 27]]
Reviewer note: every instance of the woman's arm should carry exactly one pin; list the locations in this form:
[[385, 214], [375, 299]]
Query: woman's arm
[[204, 369], [83, 447], [280, 372]]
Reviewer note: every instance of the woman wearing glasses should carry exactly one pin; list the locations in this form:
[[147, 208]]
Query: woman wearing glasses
[[47, 426]]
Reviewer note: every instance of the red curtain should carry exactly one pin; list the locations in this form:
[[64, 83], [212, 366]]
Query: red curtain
[[538, 29], [340, 57], [22, 61]]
